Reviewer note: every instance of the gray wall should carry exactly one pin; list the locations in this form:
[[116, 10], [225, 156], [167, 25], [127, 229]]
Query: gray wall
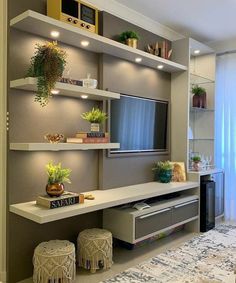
[[29, 122]]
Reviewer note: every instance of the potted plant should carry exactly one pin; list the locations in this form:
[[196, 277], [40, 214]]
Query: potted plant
[[130, 38], [57, 176], [47, 65], [196, 162], [163, 171], [199, 97], [95, 117]]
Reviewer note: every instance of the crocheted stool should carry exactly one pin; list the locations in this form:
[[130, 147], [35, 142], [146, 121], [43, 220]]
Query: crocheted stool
[[95, 249], [54, 262]]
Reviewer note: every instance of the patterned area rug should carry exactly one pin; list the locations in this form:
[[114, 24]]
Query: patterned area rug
[[210, 257]]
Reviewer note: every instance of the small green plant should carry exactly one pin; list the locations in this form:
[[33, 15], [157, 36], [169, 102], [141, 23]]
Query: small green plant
[[198, 90], [196, 158], [56, 174], [47, 65], [162, 166], [128, 34], [94, 116]]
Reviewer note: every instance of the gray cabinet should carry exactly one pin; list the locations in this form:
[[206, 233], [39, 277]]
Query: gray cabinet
[[184, 211], [218, 178]]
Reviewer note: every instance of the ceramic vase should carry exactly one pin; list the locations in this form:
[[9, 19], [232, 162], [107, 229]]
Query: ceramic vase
[[200, 101], [55, 190], [164, 176], [132, 42], [95, 127], [196, 166]]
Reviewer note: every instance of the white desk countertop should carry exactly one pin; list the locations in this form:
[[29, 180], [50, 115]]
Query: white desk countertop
[[103, 199]]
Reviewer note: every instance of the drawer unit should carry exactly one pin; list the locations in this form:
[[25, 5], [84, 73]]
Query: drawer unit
[[152, 222], [184, 211], [131, 225]]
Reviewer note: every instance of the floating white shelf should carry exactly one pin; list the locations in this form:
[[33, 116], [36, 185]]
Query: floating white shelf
[[103, 199], [30, 84], [41, 25], [61, 146]]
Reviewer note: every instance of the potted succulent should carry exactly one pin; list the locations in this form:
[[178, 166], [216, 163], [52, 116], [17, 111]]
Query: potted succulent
[[47, 65], [57, 176], [199, 97], [196, 162], [163, 171], [95, 117], [130, 38]]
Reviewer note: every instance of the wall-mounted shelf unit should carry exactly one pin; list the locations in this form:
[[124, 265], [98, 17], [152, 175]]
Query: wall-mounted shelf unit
[[197, 109], [30, 84], [61, 146], [103, 199], [42, 25]]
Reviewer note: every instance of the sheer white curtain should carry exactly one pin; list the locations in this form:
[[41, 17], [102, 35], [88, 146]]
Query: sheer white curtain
[[226, 127]]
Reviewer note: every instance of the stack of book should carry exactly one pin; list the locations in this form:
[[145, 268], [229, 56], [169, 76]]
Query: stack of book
[[92, 137]]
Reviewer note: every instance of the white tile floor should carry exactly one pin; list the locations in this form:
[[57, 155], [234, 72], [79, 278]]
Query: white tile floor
[[124, 259]]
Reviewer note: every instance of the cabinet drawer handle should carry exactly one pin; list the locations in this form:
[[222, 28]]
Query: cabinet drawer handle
[[186, 203], [154, 213]]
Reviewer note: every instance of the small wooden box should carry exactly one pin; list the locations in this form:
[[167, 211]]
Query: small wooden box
[[66, 199]]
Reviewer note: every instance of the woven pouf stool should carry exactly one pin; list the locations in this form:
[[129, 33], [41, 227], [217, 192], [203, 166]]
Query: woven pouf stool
[[95, 249], [54, 262]]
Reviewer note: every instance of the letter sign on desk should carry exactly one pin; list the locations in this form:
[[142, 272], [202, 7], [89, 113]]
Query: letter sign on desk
[[74, 12]]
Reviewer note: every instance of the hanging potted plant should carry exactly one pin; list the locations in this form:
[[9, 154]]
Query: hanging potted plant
[[129, 38], [163, 171], [47, 65], [57, 176], [95, 117], [196, 160], [199, 97]]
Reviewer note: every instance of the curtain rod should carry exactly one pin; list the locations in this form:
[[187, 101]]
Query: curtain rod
[[226, 52]]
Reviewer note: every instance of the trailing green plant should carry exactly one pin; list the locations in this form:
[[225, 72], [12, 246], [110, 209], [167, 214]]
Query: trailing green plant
[[162, 166], [57, 174], [196, 158], [47, 65], [198, 90], [94, 116], [128, 34]]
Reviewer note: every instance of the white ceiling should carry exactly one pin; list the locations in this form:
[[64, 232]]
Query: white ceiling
[[204, 20]]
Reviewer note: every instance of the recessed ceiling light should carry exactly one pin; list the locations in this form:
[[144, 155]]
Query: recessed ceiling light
[[55, 91], [55, 33], [84, 96], [84, 43], [138, 60], [160, 67], [196, 51]]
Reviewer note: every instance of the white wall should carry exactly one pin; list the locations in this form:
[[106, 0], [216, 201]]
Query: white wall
[[3, 82]]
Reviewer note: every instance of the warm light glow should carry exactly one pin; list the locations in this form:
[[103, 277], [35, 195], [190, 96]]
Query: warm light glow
[[55, 91], [85, 43], [55, 33], [196, 52], [138, 60], [160, 67], [84, 96]]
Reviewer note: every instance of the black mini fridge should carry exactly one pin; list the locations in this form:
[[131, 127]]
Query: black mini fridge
[[207, 205]]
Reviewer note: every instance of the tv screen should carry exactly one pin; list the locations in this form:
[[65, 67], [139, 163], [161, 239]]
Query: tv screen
[[139, 124]]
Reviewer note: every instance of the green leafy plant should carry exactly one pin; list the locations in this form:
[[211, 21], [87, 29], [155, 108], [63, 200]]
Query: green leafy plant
[[56, 174], [162, 166], [94, 116], [196, 158], [198, 90], [128, 34], [47, 65]]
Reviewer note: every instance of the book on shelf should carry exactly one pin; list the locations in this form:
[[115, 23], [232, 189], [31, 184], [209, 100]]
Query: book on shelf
[[92, 135], [66, 199], [88, 140]]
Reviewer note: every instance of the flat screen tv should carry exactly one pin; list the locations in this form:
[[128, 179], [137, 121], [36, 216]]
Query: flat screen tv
[[139, 124]]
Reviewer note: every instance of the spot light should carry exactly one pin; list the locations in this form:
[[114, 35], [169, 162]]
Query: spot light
[[84, 43], [55, 91], [84, 96], [138, 60], [196, 51], [160, 67], [55, 34]]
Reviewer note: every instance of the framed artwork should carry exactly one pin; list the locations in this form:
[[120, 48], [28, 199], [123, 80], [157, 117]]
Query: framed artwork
[[179, 174]]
